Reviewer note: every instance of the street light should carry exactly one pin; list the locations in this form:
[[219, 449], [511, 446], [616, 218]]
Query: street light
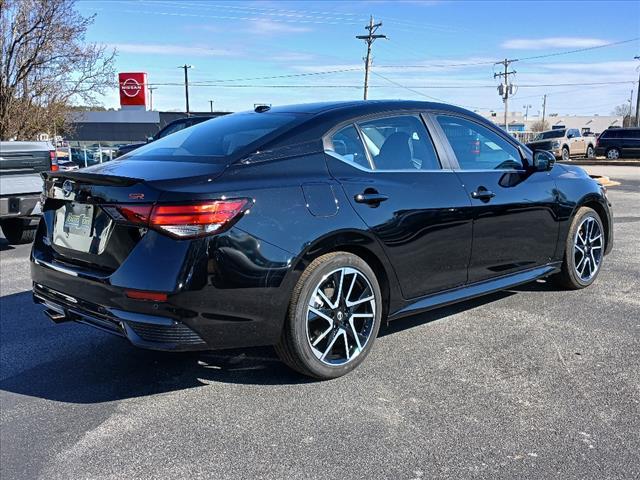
[[186, 84], [526, 114]]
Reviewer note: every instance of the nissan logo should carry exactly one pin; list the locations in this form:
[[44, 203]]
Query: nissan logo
[[67, 187], [130, 87]]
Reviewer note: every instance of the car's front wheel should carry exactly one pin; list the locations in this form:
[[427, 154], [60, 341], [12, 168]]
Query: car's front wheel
[[584, 250], [566, 155], [334, 317]]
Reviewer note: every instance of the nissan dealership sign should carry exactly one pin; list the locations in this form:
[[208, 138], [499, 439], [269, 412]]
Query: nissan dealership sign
[[133, 89]]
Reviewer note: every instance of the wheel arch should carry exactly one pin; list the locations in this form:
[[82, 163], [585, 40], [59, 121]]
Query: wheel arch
[[363, 245], [596, 203]]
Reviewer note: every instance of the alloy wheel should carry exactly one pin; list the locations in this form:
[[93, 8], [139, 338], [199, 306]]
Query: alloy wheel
[[565, 154], [589, 151], [587, 249], [340, 316]]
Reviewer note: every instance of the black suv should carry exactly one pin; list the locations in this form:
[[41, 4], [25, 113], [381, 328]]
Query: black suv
[[619, 142], [168, 129]]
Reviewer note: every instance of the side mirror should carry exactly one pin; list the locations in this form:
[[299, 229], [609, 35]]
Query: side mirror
[[543, 161], [150, 139]]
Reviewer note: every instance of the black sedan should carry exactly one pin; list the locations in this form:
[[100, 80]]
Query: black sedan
[[307, 226]]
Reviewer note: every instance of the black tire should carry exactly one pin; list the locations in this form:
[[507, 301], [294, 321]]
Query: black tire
[[613, 153], [590, 152], [18, 230], [568, 277], [566, 154], [294, 348]]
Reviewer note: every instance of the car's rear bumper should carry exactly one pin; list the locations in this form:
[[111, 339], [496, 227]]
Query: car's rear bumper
[[19, 205], [224, 297], [142, 330]]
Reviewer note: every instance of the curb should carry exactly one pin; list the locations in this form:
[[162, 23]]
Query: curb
[[605, 181]]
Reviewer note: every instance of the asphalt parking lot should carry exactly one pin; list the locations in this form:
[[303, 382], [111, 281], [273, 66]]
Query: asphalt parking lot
[[529, 383]]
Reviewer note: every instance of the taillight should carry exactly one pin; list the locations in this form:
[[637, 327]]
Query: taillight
[[185, 220], [54, 160]]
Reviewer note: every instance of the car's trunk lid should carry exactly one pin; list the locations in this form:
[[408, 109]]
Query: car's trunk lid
[[83, 224]]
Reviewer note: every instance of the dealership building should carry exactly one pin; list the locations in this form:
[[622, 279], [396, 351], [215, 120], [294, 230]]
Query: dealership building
[[133, 122], [114, 127]]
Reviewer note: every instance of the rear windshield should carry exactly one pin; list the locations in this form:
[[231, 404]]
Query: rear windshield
[[550, 134], [215, 140]]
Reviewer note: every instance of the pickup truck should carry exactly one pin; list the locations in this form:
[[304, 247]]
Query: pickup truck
[[21, 185], [564, 143]]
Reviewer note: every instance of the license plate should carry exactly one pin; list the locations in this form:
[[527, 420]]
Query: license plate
[[78, 219]]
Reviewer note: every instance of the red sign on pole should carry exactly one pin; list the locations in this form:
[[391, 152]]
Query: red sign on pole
[[133, 89]]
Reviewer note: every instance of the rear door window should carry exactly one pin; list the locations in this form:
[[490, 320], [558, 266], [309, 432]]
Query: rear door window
[[399, 143]]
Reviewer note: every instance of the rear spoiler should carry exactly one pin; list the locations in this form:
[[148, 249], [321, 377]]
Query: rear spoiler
[[91, 178]]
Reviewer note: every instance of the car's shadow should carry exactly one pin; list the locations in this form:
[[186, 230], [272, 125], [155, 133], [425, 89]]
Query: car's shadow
[[78, 364]]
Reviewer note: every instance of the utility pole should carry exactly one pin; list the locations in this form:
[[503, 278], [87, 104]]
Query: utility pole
[[151, 89], [186, 84], [630, 109], [638, 96], [544, 108], [505, 89], [526, 113], [211, 105], [371, 37]]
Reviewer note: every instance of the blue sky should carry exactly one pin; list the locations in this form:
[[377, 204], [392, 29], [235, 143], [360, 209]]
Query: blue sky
[[431, 49]]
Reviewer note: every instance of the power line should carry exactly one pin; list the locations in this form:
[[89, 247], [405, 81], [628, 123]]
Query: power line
[[407, 88], [291, 75], [411, 89], [578, 50], [524, 59]]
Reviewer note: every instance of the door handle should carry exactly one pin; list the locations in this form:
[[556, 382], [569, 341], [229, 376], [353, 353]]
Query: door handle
[[483, 194], [371, 198]]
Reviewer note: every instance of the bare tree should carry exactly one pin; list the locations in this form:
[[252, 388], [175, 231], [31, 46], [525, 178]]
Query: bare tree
[[539, 126], [627, 113], [46, 65]]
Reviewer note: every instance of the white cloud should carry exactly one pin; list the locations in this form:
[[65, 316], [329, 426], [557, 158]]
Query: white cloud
[[552, 42], [170, 49], [270, 27]]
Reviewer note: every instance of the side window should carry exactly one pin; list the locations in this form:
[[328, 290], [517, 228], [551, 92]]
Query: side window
[[477, 147], [399, 143], [346, 143], [633, 134]]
